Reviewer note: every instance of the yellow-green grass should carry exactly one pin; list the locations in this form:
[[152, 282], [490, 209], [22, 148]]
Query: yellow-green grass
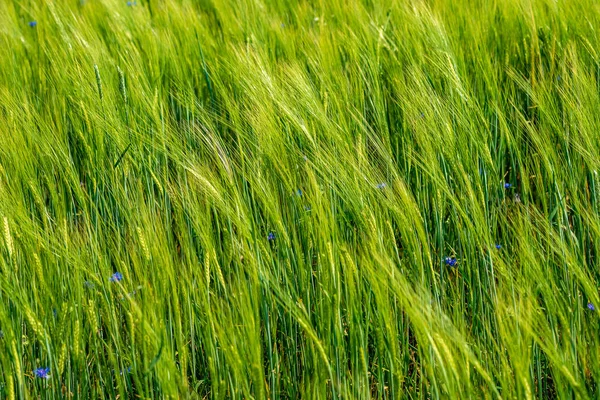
[[303, 199]]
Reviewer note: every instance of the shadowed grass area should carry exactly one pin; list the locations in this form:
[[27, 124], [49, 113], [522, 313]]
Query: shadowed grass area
[[274, 199]]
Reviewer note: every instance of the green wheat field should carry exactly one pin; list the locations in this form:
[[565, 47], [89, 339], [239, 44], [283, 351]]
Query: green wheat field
[[278, 199]]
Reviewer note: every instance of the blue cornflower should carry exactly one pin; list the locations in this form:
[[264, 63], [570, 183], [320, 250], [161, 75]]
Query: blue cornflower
[[116, 277], [381, 185], [271, 236], [131, 3], [591, 306], [498, 246], [507, 185], [42, 373], [451, 261], [32, 24]]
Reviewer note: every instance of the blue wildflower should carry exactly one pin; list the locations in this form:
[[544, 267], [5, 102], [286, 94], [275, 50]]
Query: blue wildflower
[[591, 306], [42, 373], [32, 24], [498, 246], [381, 185], [299, 192], [131, 3], [125, 371], [450, 261], [507, 185], [271, 236], [116, 277]]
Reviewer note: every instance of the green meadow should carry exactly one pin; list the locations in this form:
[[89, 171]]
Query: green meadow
[[278, 199]]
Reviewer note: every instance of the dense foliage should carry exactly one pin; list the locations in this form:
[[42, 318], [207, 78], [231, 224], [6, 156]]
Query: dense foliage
[[279, 199]]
